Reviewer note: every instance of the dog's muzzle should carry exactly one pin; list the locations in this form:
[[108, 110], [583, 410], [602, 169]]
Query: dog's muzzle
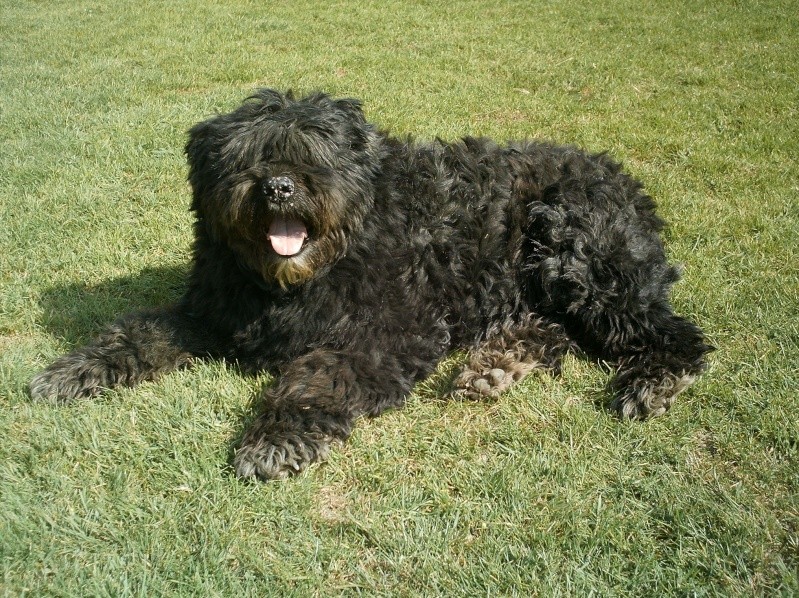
[[279, 188]]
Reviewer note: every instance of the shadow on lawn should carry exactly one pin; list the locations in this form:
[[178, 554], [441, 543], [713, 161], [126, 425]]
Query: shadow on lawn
[[77, 312]]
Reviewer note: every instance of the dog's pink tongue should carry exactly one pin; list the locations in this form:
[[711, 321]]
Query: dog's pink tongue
[[287, 235]]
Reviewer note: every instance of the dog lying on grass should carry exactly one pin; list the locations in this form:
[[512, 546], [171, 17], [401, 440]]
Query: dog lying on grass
[[350, 263]]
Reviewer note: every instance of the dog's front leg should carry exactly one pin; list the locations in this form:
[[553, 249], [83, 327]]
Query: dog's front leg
[[315, 402], [137, 347]]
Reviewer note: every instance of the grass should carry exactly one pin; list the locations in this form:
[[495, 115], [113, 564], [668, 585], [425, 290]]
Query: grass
[[538, 493]]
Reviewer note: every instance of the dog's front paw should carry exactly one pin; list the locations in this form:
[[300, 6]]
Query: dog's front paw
[[278, 455], [68, 378]]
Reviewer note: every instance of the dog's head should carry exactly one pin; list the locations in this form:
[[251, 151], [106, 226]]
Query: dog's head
[[284, 182]]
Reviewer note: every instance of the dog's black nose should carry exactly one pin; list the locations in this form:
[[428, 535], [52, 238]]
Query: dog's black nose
[[279, 187]]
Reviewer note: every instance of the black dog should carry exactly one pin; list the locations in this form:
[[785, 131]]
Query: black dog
[[352, 262]]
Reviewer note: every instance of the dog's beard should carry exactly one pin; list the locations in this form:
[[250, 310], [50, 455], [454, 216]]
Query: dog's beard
[[291, 271], [309, 262], [288, 247]]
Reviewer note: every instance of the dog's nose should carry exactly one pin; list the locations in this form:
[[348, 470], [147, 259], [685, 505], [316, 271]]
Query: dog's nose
[[279, 187]]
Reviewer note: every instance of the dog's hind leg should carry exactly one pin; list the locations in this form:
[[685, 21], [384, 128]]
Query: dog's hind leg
[[506, 357], [668, 358], [657, 354], [137, 347], [632, 326], [594, 262]]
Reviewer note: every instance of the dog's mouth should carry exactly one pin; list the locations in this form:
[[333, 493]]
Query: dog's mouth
[[287, 235]]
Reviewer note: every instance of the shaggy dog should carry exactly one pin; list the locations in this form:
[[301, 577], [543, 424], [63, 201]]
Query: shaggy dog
[[352, 262]]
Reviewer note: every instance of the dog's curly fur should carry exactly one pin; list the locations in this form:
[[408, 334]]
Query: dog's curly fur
[[352, 262]]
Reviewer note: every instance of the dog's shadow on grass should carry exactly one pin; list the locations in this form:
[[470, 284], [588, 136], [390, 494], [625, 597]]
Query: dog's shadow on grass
[[76, 312]]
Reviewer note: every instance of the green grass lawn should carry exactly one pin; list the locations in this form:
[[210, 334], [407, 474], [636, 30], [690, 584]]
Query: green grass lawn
[[541, 492]]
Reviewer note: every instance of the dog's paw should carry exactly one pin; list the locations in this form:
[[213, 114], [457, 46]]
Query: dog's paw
[[278, 456], [65, 380], [476, 385], [649, 398]]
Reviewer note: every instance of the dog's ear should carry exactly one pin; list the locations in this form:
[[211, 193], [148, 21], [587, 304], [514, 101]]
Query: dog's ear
[[202, 156], [198, 147]]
